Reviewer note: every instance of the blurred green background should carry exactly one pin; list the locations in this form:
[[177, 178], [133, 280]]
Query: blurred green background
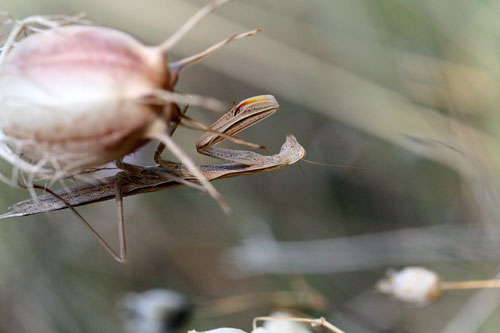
[[406, 89]]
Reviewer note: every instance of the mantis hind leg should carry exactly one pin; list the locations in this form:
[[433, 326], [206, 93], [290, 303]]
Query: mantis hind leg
[[122, 256], [122, 237]]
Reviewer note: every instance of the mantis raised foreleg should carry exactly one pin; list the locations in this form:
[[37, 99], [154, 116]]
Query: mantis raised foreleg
[[245, 114], [241, 116]]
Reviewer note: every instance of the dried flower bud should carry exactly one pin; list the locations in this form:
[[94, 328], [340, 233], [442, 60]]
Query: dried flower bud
[[415, 285], [80, 75]]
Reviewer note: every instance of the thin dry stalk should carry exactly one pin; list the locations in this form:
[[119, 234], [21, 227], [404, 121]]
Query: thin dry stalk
[[474, 284]]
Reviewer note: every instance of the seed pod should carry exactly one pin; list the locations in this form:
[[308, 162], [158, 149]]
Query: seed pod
[[74, 93], [415, 285]]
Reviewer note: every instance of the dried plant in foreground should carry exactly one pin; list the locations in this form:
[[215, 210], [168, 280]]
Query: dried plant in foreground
[[75, 96]]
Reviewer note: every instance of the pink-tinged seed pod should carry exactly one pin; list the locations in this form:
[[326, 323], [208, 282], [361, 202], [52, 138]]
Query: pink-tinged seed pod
[[74, 91]]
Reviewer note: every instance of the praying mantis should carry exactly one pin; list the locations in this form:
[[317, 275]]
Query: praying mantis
[[75, 96], [133, 179]]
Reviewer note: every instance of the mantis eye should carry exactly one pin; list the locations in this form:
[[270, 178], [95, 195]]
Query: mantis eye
[[236, 111]]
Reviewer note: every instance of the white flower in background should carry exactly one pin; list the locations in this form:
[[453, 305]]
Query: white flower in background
[[269, 326], [154, 311], [221, 330], [282, 326], [415, 285]]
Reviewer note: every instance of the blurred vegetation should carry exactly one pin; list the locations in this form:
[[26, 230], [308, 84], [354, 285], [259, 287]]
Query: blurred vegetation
[[407, 90]]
